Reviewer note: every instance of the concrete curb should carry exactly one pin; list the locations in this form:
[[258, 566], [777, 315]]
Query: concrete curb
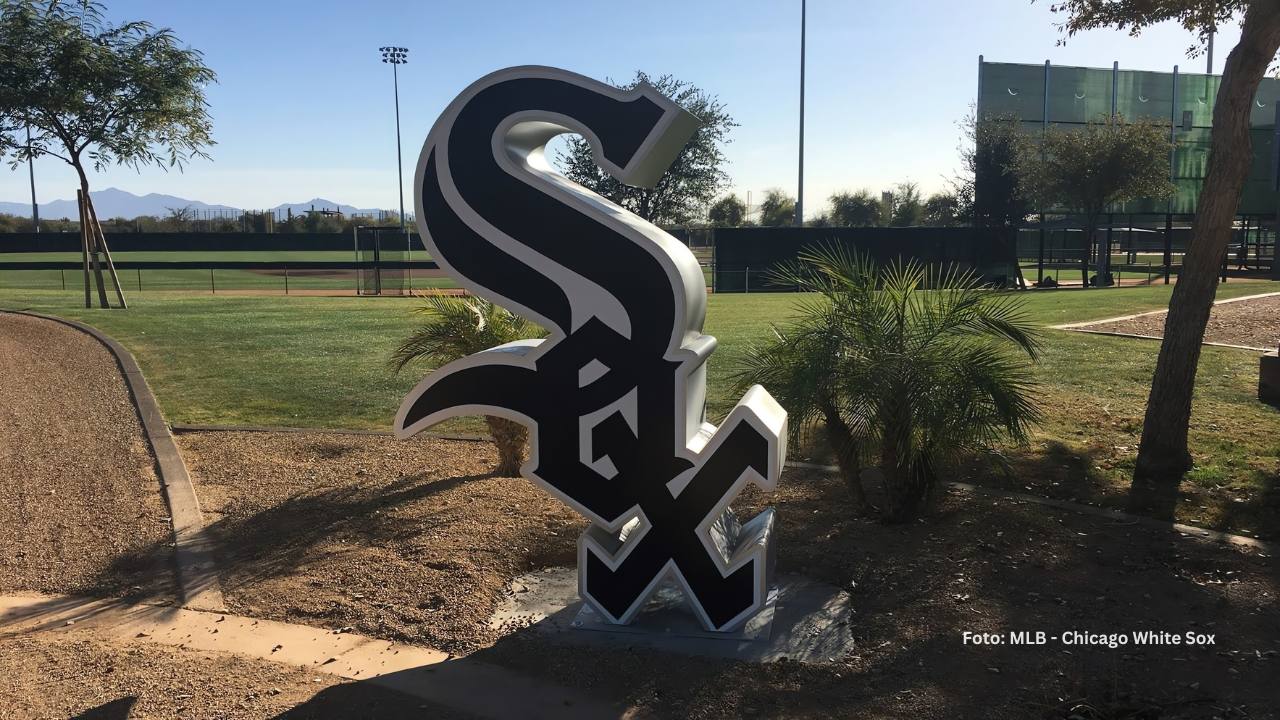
[[193, 548], [1192, 531], [1228, 301], [1157, 337], [475, 687]]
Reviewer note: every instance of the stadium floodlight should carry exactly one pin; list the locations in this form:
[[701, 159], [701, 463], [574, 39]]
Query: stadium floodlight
[[396, 56]]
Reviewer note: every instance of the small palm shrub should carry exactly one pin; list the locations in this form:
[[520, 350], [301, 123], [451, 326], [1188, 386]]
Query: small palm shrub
[[456, 327], [900, 368]]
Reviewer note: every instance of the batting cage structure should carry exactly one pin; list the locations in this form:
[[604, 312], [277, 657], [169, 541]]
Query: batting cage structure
[[382, 255]]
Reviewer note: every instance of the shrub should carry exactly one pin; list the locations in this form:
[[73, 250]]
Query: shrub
[[457, 327], [901, 368]]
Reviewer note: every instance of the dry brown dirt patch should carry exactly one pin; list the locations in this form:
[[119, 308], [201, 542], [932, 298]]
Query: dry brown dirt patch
[[81, 509], [1252, 323], [412, 541]]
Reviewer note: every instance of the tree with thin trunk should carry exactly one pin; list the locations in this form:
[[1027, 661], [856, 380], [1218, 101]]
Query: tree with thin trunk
[[1163, 456], [1107, 163], [778, 209], [688, 187], [458, 327], [855, 209], [987, 191], [728, 211], [94, 94]]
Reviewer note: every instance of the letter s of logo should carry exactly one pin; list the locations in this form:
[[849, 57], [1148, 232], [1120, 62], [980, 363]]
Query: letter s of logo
[[614, 397]]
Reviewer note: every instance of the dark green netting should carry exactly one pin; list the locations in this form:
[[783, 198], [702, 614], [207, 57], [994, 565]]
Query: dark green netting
[[1077, 95]]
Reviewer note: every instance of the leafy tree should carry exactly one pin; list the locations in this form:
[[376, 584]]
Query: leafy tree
[[456, 328], [693, 180], [905, 208], [778, 209], [988, 192], [1163, 455], [855, 209], [901, 368], [97, 94], [728, 211], [1108, 162], [940, 210], [179, 219]]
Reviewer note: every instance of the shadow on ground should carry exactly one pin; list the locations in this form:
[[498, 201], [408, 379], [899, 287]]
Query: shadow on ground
[[114, 710], [977, 564]]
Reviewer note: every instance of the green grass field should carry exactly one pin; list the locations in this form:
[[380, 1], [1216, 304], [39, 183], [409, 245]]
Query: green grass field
[[322, 362]]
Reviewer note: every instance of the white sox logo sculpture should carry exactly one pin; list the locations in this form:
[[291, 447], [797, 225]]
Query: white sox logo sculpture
[[614, 397]]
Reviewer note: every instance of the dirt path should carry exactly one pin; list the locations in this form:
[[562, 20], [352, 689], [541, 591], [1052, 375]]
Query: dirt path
[[81, 509], [1254, 323], [65, 678], [413, 541]]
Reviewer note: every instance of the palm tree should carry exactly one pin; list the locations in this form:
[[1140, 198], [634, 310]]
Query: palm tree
[[457, 327], [903, 368]]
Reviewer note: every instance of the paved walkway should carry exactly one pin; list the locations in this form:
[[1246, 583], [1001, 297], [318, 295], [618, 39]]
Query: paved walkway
[[476, 688]]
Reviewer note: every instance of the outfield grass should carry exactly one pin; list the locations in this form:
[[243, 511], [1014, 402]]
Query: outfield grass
[[321, 362]]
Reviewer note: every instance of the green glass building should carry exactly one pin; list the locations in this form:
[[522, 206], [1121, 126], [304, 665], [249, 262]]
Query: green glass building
[[1044, 95]]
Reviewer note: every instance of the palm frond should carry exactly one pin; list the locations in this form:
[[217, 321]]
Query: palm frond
[[456, 327]]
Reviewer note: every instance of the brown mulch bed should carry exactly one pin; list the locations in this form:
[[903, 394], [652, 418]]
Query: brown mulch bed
[[56, 679], [412, 540], [1253, 323], [81, 510]]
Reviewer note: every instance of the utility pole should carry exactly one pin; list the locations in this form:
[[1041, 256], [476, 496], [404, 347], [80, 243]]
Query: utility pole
[[800, 183], [31, 170], [1209, 53]]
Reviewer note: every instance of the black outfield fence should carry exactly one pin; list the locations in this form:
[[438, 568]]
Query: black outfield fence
[[744, 257], [185, 242]]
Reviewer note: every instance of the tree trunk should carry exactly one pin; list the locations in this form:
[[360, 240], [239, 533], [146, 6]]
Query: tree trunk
[[906, 484], [1090, 229], [509, 437], [842, 443], [1163, 455], [95, 241]]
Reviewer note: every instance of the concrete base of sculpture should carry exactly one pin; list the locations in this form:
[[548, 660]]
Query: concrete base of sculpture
[[668, 614], [804, 621], [1269, 379]]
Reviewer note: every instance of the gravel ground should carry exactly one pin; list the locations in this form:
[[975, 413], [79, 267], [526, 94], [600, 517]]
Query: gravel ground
[[81, 510], [55, 679], [1255, 323], [412, 540]]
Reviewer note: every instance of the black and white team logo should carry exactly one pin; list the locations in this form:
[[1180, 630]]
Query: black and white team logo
[[614, 397]]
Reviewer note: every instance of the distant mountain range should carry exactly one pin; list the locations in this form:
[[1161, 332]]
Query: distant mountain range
[[114, 202]]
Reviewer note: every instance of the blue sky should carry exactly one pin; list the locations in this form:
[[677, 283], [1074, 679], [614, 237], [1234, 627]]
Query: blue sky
[[303, 106]]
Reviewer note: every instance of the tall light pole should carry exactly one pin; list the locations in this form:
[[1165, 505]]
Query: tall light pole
[[800, 184], [31, 170], [1209, 52], [396, 56]]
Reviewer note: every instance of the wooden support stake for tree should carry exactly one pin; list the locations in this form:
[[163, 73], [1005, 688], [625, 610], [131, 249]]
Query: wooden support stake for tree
[[84, 247], [92, 239], [102, 242]]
